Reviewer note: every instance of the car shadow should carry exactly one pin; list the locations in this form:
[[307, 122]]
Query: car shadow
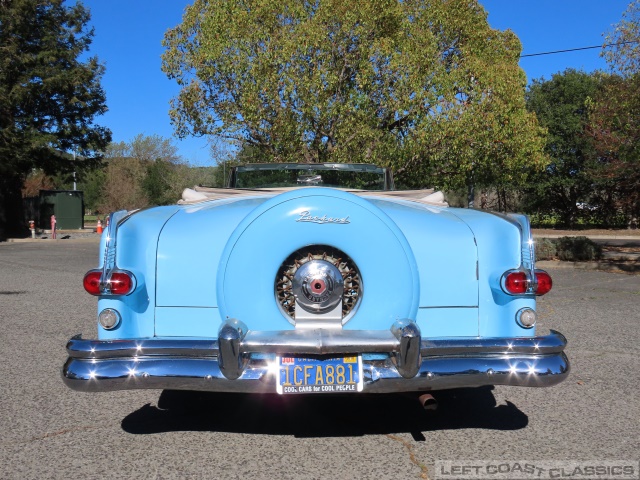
[[323, 415]]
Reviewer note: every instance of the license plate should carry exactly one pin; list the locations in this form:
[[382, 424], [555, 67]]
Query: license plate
[[319, 375]]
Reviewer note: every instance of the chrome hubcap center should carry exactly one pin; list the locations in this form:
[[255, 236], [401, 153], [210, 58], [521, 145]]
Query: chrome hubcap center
[[318, 286]]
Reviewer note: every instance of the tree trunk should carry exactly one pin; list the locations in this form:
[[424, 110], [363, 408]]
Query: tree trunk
[[11, 209], [471, 195]]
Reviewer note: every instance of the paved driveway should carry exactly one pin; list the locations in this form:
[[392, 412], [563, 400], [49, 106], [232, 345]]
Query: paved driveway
[[48, 431]]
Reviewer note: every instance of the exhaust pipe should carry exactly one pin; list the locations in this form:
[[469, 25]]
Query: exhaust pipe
[[428, 402]]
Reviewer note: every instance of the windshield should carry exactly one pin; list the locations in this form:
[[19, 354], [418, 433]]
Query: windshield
[[350, 176]]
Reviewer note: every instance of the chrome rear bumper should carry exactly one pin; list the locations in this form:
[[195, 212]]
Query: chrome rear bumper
[[243, 361]]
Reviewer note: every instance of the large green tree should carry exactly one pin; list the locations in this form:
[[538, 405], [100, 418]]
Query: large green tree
[[49, 96], [615, 129], [615, 116], [562, 107], [424, 86]]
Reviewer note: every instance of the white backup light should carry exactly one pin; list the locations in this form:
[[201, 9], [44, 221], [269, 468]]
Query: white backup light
[[109, 318], [526, 317]]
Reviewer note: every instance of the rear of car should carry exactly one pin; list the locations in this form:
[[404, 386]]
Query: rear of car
[[315, 290]]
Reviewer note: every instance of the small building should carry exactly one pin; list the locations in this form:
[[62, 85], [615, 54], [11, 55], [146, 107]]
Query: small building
[[66, 205]]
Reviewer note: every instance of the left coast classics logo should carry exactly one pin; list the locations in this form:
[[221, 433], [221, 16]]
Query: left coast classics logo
[[307, 217]]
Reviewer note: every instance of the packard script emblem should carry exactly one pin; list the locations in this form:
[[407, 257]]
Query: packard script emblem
[[307, 217]]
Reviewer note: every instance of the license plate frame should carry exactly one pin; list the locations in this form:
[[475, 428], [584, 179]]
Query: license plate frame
[[297, 374]]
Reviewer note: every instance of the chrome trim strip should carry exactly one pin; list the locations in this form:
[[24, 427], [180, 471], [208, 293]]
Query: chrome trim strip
[[80, 348], [109, 260], [320, 341], [314, 342], [527, 253], [553, 343]]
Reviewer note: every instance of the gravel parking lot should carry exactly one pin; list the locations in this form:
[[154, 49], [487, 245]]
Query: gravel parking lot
[[48, 431]]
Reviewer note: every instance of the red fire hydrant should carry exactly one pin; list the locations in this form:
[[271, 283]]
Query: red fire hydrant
[[32, 227], [99, 227], [53, 226]]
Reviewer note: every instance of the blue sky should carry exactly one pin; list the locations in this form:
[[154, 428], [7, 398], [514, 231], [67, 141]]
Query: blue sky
[[128, 37]]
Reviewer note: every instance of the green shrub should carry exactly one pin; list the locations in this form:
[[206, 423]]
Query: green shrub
[[546, 249], [544, 220], [575, 249]]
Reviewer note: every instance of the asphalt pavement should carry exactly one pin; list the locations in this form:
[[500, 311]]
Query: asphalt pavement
[[48, 431]]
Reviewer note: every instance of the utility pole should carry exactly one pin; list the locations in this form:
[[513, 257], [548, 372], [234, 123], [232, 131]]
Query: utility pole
[[74, 169]]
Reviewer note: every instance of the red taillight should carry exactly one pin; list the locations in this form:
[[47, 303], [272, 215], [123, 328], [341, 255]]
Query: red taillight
[[516, 283], [544, 282], [91, 282], [120, 283]]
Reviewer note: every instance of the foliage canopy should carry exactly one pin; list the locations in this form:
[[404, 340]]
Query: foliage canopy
[[624, 53], [615, 115], [562, 107], [49, 96], [423, 86], [145, 171]]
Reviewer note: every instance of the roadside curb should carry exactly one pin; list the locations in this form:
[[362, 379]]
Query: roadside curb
[[632, 268], [633, 238], [95, 239]]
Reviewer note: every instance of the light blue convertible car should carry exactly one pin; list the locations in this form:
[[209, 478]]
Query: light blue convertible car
[[315, 278]]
